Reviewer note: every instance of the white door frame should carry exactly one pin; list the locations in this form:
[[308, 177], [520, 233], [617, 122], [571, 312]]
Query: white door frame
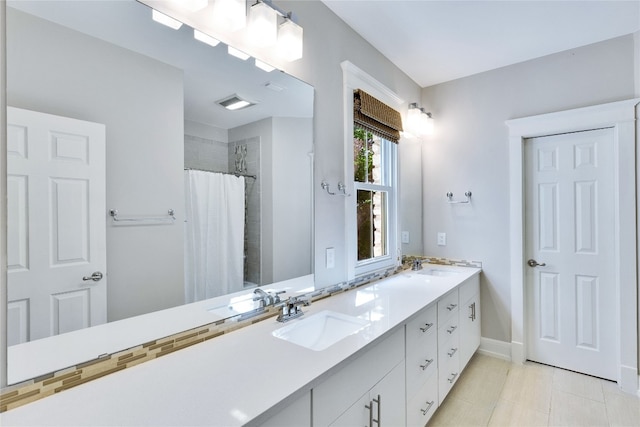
[[621, 116]]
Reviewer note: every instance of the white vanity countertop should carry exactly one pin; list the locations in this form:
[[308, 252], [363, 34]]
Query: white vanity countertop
[[39, 357], [236, 378]]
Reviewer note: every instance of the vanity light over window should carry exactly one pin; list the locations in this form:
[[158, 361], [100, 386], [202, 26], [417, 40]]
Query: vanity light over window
[[419, 122]]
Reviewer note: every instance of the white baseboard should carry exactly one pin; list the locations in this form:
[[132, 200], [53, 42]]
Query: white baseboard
[[495, 348]]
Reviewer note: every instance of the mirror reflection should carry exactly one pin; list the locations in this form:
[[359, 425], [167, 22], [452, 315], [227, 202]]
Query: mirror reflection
[[132, 188]]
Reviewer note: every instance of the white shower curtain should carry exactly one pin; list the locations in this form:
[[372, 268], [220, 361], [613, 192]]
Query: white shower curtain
[[214, 234]]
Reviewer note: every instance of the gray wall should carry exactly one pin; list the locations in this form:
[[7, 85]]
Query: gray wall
[[327, 42], [470, 152], [291, 178], [55, 70]]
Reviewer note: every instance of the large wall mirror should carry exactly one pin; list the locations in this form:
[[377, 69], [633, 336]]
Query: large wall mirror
[[109, 110]]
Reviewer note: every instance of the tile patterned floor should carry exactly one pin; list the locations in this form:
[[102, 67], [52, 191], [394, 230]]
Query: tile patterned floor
[[493, 392]]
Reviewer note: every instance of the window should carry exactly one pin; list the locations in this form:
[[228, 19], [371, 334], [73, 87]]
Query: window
[[374, 166], [372, 130]]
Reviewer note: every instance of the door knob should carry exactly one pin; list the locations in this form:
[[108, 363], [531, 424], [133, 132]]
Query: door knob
[[534, 263], [96, 276]]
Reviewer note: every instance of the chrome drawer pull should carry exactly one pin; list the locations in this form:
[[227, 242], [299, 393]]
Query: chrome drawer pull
[[451, 329], [450, 307], [429, 405], [378, 401], [370, 408], [453, 351], [427, 363], [426, 327], [453, 378]]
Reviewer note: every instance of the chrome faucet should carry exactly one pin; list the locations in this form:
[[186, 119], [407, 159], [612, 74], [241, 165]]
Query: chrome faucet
[[291, 308], [267, 298], [417, 265]]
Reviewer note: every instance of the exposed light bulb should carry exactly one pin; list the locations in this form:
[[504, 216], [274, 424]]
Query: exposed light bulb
[[263, 25], [290, 37], [165, 20], [205, 38], [230, 15]]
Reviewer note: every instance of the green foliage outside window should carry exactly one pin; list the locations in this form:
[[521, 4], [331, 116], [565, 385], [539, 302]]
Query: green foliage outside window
[[363, 172]]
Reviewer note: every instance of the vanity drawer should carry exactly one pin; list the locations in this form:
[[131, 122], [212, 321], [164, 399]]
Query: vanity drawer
[[420, 328], [448, 306], [423, 404], [422, 363], [449, 372], [448, 330]]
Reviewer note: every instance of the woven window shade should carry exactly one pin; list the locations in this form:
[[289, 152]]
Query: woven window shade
[[375, 116]]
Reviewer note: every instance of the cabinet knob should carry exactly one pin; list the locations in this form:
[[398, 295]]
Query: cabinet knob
[[450, 307], [453, 378], [452, 352], [451, 329]]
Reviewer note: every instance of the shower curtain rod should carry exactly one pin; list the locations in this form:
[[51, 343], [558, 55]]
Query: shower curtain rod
[[225, 173]]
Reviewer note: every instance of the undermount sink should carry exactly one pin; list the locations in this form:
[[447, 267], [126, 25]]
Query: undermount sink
[[321, 330], [438, 272]]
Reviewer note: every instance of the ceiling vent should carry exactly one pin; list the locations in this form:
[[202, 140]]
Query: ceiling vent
[[234, 102]]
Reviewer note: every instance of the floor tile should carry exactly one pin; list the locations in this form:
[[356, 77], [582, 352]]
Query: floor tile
[[508, 413], [459, 412], [530, 385], [578, 384], [568, 409], [481, 382], [622, 409], [493, 392]]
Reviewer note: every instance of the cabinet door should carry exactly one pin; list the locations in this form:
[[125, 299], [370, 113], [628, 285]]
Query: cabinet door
[[384, 404], [469, 329], [390, 394]]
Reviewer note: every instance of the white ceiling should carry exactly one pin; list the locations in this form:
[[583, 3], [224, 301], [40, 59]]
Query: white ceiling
[[438, 41]]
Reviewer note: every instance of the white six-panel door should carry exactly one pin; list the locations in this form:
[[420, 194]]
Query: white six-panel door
[[570, 234], [56, 224]]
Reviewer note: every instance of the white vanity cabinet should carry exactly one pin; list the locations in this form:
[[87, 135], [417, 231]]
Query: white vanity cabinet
[[422, 366], [371, 387], [448, 343], [469, 319]]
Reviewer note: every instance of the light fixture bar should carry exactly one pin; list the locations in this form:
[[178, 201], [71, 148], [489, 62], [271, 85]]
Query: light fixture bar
[[205, 38], [163, 19]]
